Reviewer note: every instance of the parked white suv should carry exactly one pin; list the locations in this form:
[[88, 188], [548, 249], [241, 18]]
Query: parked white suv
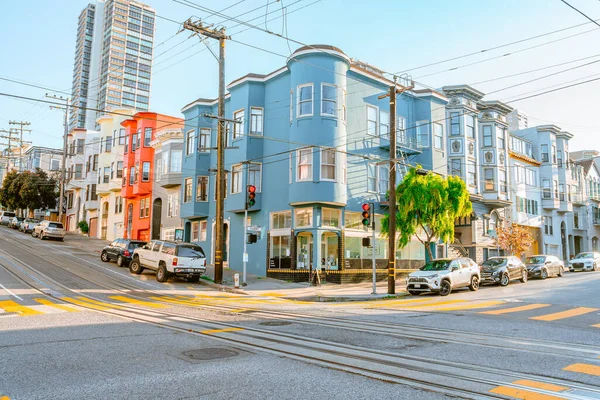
[[49, 230], [169, 259], [444, 275], [6, 216]]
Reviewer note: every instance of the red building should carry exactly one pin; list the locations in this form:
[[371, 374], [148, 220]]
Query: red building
[[138, 170]]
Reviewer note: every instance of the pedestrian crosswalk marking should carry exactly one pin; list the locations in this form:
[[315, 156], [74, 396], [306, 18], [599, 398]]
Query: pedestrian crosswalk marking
[[58, 306], [100, 303], [515, 309], [129, 300], [211, 331], [518, 393], [587, 369], [432, 304], [85, 304], [565, 314], [14, 307], [470, 306]]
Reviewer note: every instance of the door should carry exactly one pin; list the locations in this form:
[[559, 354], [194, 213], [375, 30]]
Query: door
[[154, 255], [146, 253], [457, 274], [113, 249], [93, 231], [514, 269], [156, 219]]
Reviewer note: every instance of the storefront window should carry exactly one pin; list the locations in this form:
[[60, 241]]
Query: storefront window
[[330, 217], [280, 252], [303, 217]]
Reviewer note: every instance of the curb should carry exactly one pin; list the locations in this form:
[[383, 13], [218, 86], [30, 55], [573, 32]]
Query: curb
[[344, 299], [221, 288]]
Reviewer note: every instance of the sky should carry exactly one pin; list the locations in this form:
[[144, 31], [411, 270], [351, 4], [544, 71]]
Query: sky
[[37, 46]]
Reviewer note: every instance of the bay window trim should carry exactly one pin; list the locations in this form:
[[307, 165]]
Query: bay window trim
[[299, 101]]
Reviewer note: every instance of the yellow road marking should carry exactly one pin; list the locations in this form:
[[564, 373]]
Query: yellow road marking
[[100, 303], [239, 310], [523, 394], [85, 304], [4, 398], [272, 294], [386, 303], [588, 369], [515, 309], [596, 326], [434, 304], [470, 306], [565, 314], [211, 331], [11, 306], [125, 299], [174, 301], [59, 306], [540, 385]]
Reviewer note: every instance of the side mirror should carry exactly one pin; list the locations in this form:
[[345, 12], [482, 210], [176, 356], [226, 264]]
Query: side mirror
[[548, 263], [454, 268]]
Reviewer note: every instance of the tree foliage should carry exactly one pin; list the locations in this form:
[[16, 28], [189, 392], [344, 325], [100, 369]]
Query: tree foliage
[[28, 190], [514, 239], [428, 203]]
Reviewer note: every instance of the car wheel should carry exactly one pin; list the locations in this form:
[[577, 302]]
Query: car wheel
[[194, 279], [544, 273], [104, 257], [595, 267], [414, 293], [505, 280], [42, 235], [120, 261], [474, 283], [524, 276], [162, 275], [445, 288], [560, 271], [135, 267], [33, 233]]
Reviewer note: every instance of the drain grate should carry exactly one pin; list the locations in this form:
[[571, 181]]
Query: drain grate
[[275, 323], [210, 353]]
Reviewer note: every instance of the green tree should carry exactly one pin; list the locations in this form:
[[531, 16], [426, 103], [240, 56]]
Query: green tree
[[32, 190], [429, 203], [9, 194]]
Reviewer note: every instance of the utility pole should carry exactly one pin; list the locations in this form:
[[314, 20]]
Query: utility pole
[[9, 136], [21, 123], [63, 170], [199, 28], [395, 89]]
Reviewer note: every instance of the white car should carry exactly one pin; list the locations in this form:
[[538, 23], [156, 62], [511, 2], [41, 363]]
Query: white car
[[49, 230], [444, 275], [589, 261], [6, 216], [169, 259]]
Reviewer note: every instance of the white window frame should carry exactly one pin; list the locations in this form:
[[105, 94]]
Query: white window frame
[[202, 231], [298, 211], [254, 118], [189, 142], [195, 233], [291, 171], [180, 166], [376, 130], [204, 140], [236, 179], [423, 124], [334, 100], [286, 215], [144, 164], [454, 162], [487, 134], [334, 165], [382, 133], [344, 110], [331, 212], [383, 179], [309, 165], [238, 127], [185, 192], [291, 106], [441, 136], [299, 101], [372, 178]]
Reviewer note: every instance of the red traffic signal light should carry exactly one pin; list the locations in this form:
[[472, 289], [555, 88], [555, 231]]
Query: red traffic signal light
[[366, 214], [251, 195]]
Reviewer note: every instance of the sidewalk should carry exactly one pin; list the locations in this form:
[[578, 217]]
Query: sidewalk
[[262, 286], [327, 292]]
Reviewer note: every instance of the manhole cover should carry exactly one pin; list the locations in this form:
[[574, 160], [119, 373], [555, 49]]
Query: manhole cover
[[210, 354], [275, 323]]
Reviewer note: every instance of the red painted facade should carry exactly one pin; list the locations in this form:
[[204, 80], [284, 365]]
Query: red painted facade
[[138, 170]]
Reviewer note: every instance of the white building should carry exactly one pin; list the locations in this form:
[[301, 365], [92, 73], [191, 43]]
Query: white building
[[517, 120]]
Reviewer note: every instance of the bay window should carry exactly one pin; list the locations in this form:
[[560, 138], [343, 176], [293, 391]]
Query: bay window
[[305, 100], [328, 164], [304, 166]]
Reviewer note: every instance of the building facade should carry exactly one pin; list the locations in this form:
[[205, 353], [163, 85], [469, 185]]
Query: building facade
[[82, 175], [166, 187], [138, 170], [113, 59], [110, 173], [312, 141]]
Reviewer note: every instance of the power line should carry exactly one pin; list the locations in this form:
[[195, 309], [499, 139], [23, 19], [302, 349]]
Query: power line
[[580, 12]]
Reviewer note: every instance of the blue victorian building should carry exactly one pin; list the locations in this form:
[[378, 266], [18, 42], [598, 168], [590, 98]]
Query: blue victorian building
[[313, 137]]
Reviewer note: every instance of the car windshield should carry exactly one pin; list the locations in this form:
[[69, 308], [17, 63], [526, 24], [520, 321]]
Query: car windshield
[[190, 251], [9, 214], [55, 225], [494, 262], [535, 260], [436, 265], [585, 255], [32, 221]]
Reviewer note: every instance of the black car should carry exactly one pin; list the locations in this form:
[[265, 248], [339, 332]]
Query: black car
[[502, 270], [543, 266], [120, 250]]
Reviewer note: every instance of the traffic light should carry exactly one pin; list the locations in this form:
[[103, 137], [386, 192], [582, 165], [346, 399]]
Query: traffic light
[[251, 195], [366, 214]]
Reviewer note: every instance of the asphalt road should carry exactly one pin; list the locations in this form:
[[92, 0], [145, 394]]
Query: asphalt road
[[72, 327]]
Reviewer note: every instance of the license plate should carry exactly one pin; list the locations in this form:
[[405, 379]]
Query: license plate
[[417, 286]]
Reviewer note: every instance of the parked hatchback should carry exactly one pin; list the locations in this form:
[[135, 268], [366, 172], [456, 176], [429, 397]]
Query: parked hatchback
[[28, 224], [15, 222], [502, 270], [120, 250], [543, 266], [444, 275], [49, 230], [6, 216], [589, 261]]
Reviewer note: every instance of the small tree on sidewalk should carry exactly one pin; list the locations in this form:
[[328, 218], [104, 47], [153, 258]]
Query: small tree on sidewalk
[[514, 239], [429, 203]]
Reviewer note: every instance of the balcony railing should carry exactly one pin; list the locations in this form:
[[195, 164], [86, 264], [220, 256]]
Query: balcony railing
[[404, 143]]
